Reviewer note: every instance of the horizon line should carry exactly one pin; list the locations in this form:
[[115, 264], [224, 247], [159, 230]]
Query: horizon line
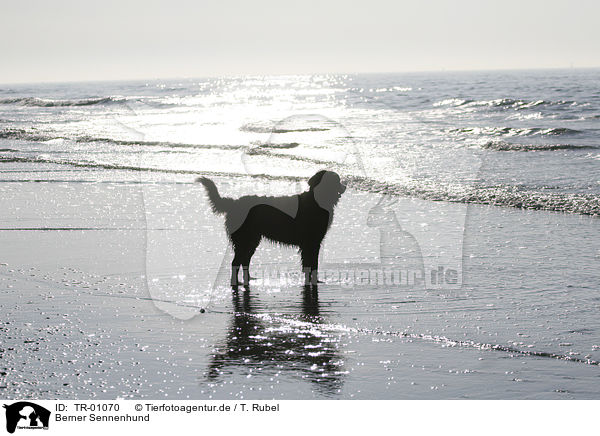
[[233, 75]]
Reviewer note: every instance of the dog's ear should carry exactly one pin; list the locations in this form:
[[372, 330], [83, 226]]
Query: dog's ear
[[316, 179]]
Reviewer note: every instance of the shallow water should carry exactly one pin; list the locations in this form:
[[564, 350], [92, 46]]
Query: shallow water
[[83, 318]]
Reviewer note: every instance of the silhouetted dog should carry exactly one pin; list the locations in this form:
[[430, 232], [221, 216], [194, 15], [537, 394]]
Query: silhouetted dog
[[300, 220]]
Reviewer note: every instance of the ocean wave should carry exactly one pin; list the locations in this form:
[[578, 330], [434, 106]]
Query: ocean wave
[[285, 145], [507, 146], [501, 195], [515, 131], [266, 152], [166, 144], [25, 135], [452, 102], [39, 136], [257, 128], [89, 164], [388, 89], [511, 103], [42, 102]]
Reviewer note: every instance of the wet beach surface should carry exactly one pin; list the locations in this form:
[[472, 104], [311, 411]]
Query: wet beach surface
[[103, 284]]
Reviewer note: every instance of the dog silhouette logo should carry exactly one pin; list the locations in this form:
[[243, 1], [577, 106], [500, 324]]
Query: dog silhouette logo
[[26, 415]]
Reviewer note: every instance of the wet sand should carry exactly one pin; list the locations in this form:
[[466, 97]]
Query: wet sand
[[103, 285]]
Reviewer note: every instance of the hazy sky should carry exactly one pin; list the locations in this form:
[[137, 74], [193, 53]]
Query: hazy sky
[[62, 40]]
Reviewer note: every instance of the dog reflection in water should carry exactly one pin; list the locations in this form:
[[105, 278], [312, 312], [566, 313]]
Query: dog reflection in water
[[301, 352], [297, 220]]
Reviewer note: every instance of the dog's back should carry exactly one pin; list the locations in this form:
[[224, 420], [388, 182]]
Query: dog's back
[[247, 211], [286, 219]]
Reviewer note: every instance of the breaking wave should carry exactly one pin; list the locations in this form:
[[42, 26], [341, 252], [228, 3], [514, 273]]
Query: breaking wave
[[501, 195], [43, 102], [285, 145], [25, 135], [514, 131], [257, 128], [507, 146], [511, 103], [38, 136]]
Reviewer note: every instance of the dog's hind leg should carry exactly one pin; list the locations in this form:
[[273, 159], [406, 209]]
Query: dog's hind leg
[[244, 249], [251, 248], [235, 267]]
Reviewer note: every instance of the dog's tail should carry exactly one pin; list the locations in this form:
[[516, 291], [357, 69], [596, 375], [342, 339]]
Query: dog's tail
[[218, 203]]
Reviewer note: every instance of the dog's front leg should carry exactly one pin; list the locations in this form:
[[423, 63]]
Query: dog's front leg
[[310, 264], [246, 275], [234, 274], [235, 266]]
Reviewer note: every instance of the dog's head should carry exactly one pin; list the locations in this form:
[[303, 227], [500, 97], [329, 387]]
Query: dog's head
[[327, 188]]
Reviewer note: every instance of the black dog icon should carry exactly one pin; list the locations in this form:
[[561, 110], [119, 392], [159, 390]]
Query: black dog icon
[[31, 413], [297, 220]]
